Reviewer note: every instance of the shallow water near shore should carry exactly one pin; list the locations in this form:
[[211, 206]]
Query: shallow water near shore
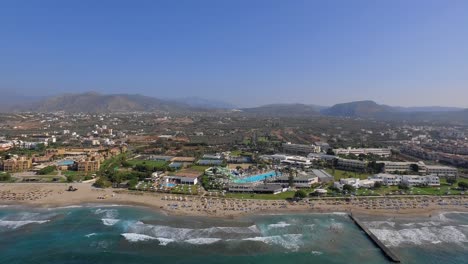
[[122, 234]]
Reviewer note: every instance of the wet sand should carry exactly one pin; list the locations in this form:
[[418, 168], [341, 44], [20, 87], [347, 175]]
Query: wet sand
[[49, 195]]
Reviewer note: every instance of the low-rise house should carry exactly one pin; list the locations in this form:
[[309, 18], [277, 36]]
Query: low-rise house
[[300, 181], [210, 162], [410, 180], [323, 176], [348, 181]]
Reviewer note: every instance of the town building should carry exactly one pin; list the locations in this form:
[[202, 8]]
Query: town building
[[17, 164], [323, 176], [382, 152], [351, 165], [410, 180], [420, 168], [299, 181], [256, 188], [89, 165], [349, 181]]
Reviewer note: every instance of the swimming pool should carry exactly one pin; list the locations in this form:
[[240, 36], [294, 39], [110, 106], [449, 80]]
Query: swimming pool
[[259, 177], [170, 185], [65, 163]]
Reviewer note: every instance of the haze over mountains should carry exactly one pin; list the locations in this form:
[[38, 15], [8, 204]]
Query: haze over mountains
[[96, 102]]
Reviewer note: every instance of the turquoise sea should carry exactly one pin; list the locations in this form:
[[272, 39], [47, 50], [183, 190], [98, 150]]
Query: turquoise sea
[[121, 234]]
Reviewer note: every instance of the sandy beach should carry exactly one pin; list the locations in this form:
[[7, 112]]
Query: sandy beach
[[56, 195]]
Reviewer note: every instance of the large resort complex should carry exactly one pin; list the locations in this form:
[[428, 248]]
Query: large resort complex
[[190, 162]]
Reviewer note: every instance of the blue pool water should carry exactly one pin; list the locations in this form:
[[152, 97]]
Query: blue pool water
[[259, 177], [170, 185], [65, 163]]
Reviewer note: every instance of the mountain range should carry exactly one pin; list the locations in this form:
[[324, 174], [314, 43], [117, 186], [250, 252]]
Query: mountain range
[[95, 102]]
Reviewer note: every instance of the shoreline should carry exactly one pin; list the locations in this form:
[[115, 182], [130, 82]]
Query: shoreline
[[54, 195]]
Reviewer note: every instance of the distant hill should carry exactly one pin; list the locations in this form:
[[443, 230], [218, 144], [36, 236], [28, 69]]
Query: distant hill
[[370, 109], [284, 110], [358, 109], [203, 103], [429, 109], [95, 102]]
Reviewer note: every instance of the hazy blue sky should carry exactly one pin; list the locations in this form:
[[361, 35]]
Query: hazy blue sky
[[247, 52]]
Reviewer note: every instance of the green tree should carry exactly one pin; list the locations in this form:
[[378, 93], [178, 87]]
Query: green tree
[[414, 167], [291, 179], [301, 194], [451, 180], [403, 186], [70, 178], [378, 185], [47, 170], [5, 176], [463, 185], [102, 183], [349, 188]]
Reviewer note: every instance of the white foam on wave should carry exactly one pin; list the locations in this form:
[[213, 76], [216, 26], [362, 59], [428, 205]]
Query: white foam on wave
[[288, 241], [108, 213], [279, 225], [164, 241], [134, 237], [16, 224], [90, 235], [202, 241], [340, 213], [420, 236], [109, 222], [317, 253], [377, 224], [182, 234]]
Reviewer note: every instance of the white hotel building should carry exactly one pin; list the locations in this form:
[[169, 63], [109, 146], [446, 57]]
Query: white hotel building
[[411, 180], [382, 152]]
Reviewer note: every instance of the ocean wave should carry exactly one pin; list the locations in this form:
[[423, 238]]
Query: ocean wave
[[339, 213], [419, 236], [134, 237], [279, 225], [109, 221], [377, 224], [90, 235], [16, 224], [317, 253], [108, 213], [182, 234], [288, 241], [202, 241]]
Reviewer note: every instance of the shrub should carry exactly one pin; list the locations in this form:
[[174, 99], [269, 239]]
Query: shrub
[[300, 194]]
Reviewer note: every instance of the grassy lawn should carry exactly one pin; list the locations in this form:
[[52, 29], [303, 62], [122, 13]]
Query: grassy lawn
[[340, 174], [73, 173], [199, 168], [236, 153], [280, 196], [152, 163]]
